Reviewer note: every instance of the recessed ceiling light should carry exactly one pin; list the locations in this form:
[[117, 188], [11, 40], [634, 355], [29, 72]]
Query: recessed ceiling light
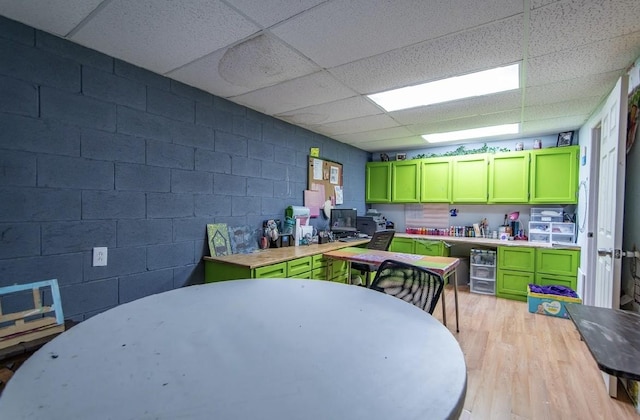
[[472, 133], [485, 82]]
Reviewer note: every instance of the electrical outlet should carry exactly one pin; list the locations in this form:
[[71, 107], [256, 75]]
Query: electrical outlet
[[100, 256]]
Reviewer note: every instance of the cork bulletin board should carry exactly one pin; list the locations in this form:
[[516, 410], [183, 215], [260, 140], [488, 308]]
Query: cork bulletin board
[[326, 176]]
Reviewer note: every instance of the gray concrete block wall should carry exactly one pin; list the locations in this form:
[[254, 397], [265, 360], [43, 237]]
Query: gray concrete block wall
[[97, 152]]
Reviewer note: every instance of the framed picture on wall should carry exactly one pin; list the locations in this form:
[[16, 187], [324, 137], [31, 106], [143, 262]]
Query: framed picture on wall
[[565, 138]]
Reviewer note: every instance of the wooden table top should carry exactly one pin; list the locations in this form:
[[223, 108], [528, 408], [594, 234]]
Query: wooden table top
[[441, 265], [277, 255]]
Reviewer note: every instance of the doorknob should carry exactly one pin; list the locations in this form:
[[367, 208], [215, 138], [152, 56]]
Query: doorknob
[[603, 252]]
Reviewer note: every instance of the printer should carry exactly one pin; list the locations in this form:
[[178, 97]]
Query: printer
[[371, 222]]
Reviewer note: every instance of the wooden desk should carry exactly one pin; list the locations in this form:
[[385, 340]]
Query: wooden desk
[[612, 336], [445, 266], [247, 349]]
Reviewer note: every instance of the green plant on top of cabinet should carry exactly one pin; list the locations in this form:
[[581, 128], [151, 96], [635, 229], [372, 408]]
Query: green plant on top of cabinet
[[554, 175], [378, 182], [435, 180], [405, 181], [509, 177], [470, 179]]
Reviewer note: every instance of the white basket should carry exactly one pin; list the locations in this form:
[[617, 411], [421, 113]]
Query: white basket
[[547, 215]]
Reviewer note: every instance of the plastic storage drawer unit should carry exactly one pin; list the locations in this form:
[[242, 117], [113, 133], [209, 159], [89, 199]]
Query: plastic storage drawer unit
[[482, 274]]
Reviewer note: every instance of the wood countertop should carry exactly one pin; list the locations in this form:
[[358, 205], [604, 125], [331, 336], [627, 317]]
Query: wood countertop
[[487, 241], [270, 256]]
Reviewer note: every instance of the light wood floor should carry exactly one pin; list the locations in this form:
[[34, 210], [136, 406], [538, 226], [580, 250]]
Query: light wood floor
[[526, 366]]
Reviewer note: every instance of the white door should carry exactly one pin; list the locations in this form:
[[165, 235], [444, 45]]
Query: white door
[[611, 203]]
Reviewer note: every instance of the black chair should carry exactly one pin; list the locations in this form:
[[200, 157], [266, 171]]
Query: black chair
[[413, 284], [381, 240]]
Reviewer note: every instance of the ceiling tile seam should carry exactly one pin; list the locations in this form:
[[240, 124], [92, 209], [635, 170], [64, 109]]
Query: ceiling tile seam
[[525, 57], [88, 18]]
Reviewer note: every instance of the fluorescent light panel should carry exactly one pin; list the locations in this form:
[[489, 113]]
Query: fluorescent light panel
[[472, 133], [485, 82]]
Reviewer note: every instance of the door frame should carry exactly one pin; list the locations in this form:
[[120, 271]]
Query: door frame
[[592, 212]]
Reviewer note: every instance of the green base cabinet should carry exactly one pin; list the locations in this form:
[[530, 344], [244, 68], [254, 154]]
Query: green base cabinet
[[405, 245], [516, 269], [519, 266], [432, 248]]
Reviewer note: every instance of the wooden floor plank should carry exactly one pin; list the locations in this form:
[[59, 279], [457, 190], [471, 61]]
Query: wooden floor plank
[[526, 366]]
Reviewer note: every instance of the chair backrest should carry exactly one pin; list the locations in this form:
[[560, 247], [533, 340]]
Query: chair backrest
[[416, 285], [381, 240]]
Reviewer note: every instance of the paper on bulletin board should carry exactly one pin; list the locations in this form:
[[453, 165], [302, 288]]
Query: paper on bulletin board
[[317, 169], [335, 173], [339, 195], [313, 200]]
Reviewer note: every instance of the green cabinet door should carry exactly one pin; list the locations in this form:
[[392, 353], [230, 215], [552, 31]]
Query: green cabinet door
[[432, 248], [378, 182], [405, 245], [553, 280], [560, 262], [470, 179], [513, 284], [405, 181], [435, 180], [554, 175], [509, 177], [517, 258]]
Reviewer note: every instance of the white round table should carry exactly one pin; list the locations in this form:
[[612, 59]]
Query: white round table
[[247, 349]]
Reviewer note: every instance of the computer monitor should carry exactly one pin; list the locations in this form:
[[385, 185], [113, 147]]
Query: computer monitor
[[343, 221]]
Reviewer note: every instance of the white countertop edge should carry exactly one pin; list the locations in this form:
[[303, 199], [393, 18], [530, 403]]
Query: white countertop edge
[[487, 241]]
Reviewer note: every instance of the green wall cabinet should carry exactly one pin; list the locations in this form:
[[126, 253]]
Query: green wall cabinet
[[378, 182], [405, 181], [554, 175], [435, 180], [470, 179], [509, 177]]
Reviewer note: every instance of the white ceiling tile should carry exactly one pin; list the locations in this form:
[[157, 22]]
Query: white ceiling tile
[[387, 133], [552, 125], [159, 34], [596, 85], [570, 24], [258, 62], [477, 49], [375, 27], [540, 3], [405, 143], [58, 17], [481, 105], [305, 91], [578, 106], [344, 109], [506, 117], [599, 57], [358, 125], [267, 13]]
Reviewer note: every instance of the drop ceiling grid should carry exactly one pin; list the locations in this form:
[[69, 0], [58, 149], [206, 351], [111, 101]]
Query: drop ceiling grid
[[304, 91], [463, 108], [384, 134], [257, 62], [58, 17], [478, 49], [343, 109], [586, 86], [570, 24], [357, 125], [473, 121], [162, 38], [552, 125], [268, 13], [382, 26]]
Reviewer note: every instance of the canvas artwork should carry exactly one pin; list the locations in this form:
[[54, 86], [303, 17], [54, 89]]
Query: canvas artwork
[[219, 241], [244, 239]]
